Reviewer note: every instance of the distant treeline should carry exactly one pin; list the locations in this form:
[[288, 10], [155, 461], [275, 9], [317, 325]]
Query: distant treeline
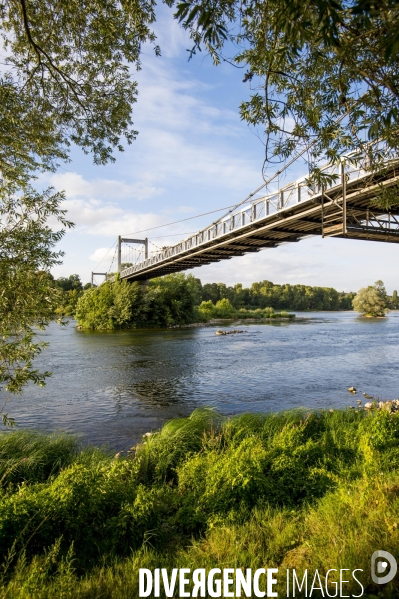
[[266, 294]]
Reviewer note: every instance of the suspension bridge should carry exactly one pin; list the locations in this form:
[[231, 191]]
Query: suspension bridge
[[343, 208]]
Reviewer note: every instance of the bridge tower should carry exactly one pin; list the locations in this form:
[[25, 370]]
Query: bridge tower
[[126, 240], [104, 274]]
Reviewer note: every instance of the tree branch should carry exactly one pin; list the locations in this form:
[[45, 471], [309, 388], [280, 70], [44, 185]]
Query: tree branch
[[38, 51]]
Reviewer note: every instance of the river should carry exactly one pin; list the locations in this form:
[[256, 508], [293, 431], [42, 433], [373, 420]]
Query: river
[[111, 387]]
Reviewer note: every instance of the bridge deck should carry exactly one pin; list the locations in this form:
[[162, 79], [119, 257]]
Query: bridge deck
[[292, 213]]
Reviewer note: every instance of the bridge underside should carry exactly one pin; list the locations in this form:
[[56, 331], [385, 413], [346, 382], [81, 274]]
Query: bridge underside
[[345, 210]]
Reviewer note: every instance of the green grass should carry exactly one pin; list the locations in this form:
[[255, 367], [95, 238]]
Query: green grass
[[288, 490]]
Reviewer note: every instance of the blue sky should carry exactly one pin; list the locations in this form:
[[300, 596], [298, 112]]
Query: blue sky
[[192, 155]]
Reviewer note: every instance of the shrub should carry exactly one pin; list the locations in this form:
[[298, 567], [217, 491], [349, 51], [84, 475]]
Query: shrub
[[224, 309]]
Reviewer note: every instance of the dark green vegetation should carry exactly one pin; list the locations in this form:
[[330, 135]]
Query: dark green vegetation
[[207, 310], [66, 80], [27, 253], [298, 490], [163, 302], [179, 299], [308, 65], [262, 295], [280, 297], [70, 290]]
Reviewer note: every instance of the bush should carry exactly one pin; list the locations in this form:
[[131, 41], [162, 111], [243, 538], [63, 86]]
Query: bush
[[224, 309], [110, 306]]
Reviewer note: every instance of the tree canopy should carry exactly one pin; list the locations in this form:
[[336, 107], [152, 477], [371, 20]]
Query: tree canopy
[[65, 80], [27, 252], [323, 73], [265, 294], [166, 301], [372, 300], [180, 299]]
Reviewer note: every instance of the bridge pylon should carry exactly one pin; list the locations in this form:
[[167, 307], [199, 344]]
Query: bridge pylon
[[126, 240], [104, 274]]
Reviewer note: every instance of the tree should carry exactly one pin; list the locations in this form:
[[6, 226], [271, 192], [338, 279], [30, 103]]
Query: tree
[[68, 79], [323, 73], [27, 291], [211, 292], [65, 80], [224, 309], [395, 303], [371, 300], [69, 283], [171, 300], [110, 306], [264, 294], [72, 289]]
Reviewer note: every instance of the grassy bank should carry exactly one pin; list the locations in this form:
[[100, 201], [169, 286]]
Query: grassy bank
[[287, 490]]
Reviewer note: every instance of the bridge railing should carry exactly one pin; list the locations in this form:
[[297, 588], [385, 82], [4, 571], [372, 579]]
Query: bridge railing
[[354, 166]]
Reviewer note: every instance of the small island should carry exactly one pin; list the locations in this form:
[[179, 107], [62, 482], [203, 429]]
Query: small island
[[173, 301]]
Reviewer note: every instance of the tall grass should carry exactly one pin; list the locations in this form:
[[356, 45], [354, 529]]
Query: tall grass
[[29, 457], [289, 490]]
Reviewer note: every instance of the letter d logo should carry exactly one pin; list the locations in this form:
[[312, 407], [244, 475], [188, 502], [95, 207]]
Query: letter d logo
[[382, 566]]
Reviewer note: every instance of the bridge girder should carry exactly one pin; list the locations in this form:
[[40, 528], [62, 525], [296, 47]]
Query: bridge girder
[[343, 211]]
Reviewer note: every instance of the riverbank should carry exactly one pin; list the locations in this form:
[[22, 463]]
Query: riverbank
[[315, 490]]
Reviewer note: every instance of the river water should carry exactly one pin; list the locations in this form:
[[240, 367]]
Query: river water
[[111, 387]]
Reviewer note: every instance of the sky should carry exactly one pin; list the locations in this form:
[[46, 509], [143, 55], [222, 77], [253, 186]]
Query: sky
[[194, 155]]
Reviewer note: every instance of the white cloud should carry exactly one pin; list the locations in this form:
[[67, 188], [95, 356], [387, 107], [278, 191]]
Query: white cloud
[[176, 101], [185, 209], [97, 218], [75, 186]]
